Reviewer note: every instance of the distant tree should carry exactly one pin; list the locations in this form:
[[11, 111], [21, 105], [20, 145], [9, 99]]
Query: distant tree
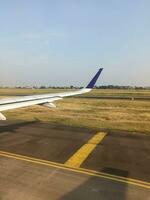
[[43, 87], [71, 87]]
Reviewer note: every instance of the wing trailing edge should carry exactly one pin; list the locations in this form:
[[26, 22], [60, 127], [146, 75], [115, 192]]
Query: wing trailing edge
[[2, 117]]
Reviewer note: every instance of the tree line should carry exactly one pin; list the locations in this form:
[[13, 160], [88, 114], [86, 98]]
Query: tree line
[[75, 87]]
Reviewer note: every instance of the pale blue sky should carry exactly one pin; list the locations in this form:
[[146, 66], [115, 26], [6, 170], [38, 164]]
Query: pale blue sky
[[44, 42]]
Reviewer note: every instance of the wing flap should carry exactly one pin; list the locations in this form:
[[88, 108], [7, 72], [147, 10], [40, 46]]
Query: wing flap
[[27, 103]]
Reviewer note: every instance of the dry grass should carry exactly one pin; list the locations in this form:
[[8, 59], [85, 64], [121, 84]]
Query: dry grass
[[101, 92], [120, 92], [19, 92], [95, 114]]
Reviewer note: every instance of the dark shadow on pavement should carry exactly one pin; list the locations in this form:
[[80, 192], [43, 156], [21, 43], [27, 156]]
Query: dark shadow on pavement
[[103, 189], [98, 189], [12, 127]]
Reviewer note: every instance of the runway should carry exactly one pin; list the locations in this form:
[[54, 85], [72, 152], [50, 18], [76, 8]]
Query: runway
[[141, 98], [34, 160]]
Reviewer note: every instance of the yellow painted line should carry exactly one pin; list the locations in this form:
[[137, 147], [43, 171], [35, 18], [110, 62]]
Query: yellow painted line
[[80, 156], [125, 180]]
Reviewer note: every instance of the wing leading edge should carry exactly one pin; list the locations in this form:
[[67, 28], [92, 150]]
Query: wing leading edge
[[44, 99]]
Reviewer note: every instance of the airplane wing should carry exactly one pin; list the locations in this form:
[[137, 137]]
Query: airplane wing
[[43, 99]]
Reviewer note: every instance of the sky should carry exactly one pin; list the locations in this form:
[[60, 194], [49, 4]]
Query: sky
[[65, 42]]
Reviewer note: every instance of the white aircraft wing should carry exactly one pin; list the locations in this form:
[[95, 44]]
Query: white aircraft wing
[[43, 99]]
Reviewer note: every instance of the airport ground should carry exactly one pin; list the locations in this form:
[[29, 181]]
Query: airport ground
[[86, 148], [93, 113]]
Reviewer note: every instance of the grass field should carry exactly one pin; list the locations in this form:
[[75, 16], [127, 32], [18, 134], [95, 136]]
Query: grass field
[[121, 115], [97, 93]]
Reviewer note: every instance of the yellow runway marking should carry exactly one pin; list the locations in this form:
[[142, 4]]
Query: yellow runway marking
[[125, 180], [80, 156]]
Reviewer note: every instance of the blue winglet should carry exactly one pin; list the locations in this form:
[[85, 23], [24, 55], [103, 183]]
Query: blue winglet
[[93, 81]]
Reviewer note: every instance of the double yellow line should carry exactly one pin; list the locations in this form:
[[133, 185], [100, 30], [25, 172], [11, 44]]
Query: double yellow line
[[130, 181]]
